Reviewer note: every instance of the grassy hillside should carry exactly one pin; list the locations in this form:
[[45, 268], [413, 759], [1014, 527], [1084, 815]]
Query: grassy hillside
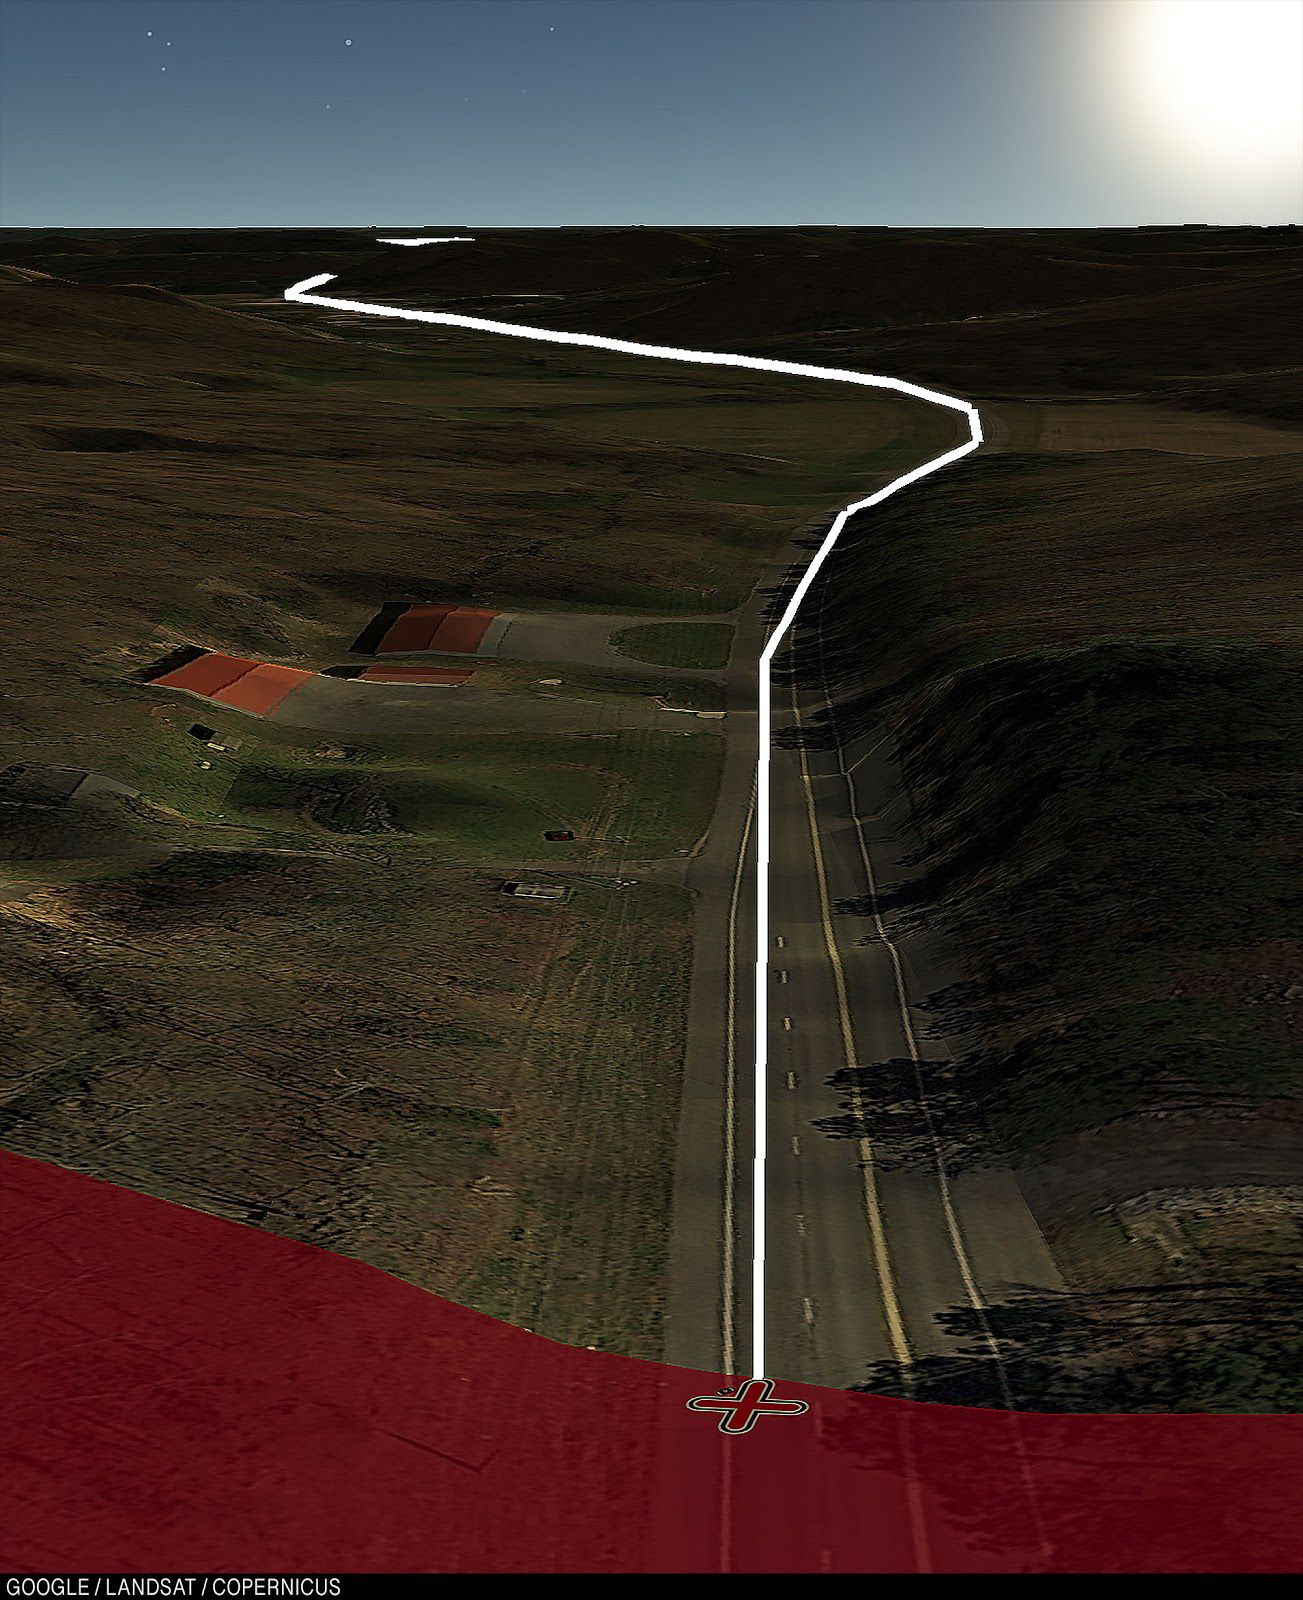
[[1192, 315], [189, 260], [1091, 667]]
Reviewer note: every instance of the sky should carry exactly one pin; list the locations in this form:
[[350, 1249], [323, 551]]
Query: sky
[[1012, 113]]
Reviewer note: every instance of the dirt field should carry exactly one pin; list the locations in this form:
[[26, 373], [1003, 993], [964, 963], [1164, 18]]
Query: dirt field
[[317, 1047], [1117, 425]]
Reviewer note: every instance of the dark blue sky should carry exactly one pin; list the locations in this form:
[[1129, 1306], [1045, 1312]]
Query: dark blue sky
[[1011, 112]]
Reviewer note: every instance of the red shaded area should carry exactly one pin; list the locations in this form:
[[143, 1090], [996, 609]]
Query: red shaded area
[[463, 630], [412, 630], [185, 1394], [206, 674], [262, 689], [449, 677], [254, 686], [456, 629]]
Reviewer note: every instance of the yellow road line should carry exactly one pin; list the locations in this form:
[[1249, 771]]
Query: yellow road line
[[958, 1246], [881, 1254]]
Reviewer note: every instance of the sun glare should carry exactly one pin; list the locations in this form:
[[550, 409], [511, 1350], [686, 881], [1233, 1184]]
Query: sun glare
[[1222, 79]]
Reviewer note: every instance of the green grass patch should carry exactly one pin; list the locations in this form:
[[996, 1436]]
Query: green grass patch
[[583, 1258], [702, 645], [486, 797]]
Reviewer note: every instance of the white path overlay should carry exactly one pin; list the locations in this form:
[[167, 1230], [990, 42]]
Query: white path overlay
[[304, 294]]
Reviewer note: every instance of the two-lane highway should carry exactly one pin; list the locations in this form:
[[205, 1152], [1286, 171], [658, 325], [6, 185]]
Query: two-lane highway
[[863, 1254]]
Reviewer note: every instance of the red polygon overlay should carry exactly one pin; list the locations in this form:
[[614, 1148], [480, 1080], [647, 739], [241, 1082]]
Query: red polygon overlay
[[205, 674], [412, 629], [254, 686], [262, 689], [456, 630], [463, 630], [184, 1394]]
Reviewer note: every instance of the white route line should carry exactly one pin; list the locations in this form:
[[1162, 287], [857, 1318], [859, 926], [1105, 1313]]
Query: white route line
[[410, 243], [304, 294]]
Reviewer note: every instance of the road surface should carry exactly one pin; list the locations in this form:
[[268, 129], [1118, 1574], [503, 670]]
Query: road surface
[[860, 1261]]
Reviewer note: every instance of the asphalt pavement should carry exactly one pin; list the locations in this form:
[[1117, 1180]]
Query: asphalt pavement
[[862, 1255]]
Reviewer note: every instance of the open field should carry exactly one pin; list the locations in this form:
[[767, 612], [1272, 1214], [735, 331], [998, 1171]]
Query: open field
[[582, 1251], [487, 796], [677, 644], [321, 1048], [1068, 428], [1192, 316]]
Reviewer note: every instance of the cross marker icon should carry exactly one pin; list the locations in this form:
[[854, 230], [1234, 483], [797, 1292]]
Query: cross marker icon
[[738, 1412]]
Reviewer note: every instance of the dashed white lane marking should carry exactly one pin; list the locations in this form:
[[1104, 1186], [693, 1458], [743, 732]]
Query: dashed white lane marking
[[781, 942], [791, 1080], [303, 294], [728, 1332], [796, 1144], [787, 1024]]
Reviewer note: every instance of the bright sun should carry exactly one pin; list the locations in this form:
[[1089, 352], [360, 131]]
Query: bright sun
[[1223, 79]]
